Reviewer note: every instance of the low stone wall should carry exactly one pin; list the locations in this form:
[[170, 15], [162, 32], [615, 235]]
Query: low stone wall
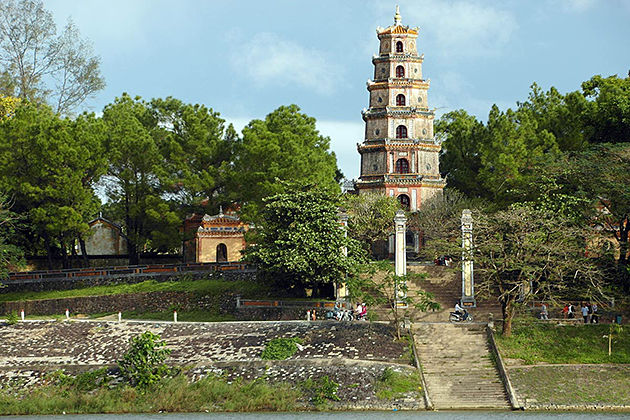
[[140, 302], [81, 282], [224, 303]]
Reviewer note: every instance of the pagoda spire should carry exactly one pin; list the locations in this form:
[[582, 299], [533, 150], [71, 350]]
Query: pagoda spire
[[397, 18]]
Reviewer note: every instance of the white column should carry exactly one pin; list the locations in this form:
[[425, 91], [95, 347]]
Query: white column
[[468, 283], [400, 221], [341, 290], [414, 200]]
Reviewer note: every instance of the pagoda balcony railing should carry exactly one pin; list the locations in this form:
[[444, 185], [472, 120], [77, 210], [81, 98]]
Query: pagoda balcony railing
[[402, 177], [395, 110]]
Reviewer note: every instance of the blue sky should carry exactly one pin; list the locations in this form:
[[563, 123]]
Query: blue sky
[[246, 58]]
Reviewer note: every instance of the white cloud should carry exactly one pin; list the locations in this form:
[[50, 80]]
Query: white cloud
[[269, 60], [459, 28]]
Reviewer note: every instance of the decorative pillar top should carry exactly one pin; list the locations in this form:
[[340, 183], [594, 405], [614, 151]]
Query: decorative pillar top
[[467, 220], [397, 18], [400, 217]]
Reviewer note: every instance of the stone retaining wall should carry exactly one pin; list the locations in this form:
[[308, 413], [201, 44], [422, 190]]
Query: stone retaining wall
[[224, 303], [139, 302], [354, 355], [80, 282]]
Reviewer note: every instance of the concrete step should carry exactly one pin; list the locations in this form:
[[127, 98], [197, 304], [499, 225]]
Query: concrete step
[[457, 367]]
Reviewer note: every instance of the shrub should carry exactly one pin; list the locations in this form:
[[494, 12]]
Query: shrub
[[322, 390], [392, 384], [12, 318], [143, 364], [280, 348]]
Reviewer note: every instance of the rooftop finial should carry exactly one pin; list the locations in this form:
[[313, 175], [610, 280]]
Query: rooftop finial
[[220, 210], [397, 18]]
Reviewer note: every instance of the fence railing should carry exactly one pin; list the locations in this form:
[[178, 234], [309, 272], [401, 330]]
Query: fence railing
[[123, 271]]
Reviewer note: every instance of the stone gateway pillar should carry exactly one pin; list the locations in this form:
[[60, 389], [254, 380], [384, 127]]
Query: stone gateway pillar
[[400, 222], [468, 280], [341, 290]]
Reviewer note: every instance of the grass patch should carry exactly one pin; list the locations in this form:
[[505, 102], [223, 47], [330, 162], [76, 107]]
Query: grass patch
[[170, 395], [535, 342], [573, 385], [280, 348], [392, 384], [201, 286], [186, 316], [322, 391]]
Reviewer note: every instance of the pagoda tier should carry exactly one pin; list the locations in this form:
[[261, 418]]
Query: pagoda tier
[[399, 154]]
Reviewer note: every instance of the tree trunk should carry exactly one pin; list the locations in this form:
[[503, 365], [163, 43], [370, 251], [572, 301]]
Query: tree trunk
[[48, 252], [64, 255], [508, 314], [84, 254], [134, 258]]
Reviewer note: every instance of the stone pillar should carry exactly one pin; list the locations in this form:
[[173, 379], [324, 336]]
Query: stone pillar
[[400, 221], [341, 291], [468, 280]]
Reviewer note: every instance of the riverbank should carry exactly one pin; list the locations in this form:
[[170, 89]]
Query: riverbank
[[357, 360], [561, 366]]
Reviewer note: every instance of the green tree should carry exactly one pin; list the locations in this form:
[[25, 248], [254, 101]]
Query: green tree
[[8, 104], [514, 146], [134, 187], [602, 174], [285, 146], [300, 241], [377, 285], [607, 118], [370, 217], [11, 256], [143, 363], [39, 64], [524, 253], [49, 166], [439, 221], [560, 115], [462, 136], [198, 151]]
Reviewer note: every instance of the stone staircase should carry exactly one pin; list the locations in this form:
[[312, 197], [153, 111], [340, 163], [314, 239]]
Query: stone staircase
[[445, 285], [457, 365]]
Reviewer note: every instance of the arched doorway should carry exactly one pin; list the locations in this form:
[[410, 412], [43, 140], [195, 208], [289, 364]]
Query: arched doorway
[[222, 253], [404, 201]]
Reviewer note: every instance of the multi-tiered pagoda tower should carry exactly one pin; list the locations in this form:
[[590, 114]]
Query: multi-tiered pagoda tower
[[400, 156]]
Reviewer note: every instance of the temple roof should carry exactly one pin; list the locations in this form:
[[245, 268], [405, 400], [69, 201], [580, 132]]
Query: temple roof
[[397, 27]]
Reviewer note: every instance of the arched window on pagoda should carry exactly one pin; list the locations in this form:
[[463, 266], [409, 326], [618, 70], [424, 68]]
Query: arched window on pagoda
[[402, 166], [222, 253], [404, 201], [401, 132], [400, 100], [400, 71], [399, 47]]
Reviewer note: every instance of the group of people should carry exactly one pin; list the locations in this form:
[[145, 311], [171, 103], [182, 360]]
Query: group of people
[[361, 311], [589, 312], [341, 314]]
